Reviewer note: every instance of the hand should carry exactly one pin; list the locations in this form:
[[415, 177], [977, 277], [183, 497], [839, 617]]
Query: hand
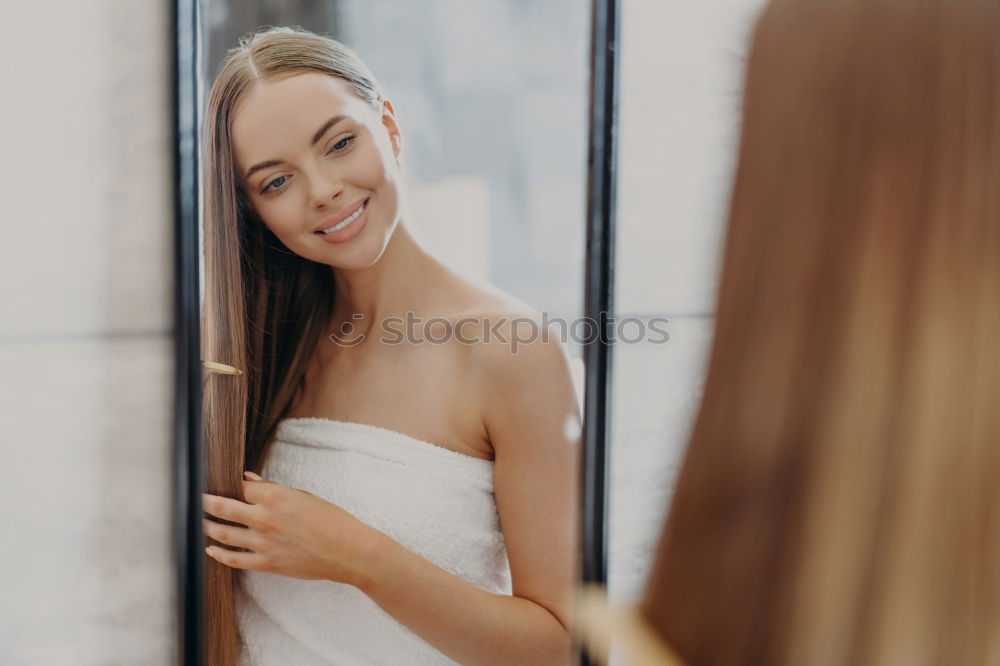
[[289, 532]]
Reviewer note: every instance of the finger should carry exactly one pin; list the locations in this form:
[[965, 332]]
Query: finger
[[227, 508], [251, 475], [260, 492], [232, 558], [230, 535]]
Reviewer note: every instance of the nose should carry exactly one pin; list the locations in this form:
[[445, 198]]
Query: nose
[[324, 189]]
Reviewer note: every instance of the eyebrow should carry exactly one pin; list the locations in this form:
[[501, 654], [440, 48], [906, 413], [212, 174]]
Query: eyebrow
[[316, 137]]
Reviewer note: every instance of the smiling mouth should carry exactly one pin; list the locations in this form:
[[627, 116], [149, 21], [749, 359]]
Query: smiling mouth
[[347, 220]]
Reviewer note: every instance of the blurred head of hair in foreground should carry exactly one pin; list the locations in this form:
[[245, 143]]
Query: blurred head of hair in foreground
[[839, 502]]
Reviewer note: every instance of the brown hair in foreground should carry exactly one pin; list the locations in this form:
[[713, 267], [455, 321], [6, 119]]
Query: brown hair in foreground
[[839, 502]]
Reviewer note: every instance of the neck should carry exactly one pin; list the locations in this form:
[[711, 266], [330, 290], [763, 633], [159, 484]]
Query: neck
[[392, 286]]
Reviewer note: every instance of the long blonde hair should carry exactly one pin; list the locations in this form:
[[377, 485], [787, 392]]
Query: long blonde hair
[[265, 307], [839, 502]]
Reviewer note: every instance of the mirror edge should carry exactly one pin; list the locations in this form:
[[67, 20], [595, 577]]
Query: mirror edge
[[599, 293], [188, 481]]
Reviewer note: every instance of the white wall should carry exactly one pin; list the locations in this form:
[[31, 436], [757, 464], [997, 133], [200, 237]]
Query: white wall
[[86, 570], [681, 85]]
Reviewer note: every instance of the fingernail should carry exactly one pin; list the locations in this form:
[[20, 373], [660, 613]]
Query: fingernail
[[209, 551]]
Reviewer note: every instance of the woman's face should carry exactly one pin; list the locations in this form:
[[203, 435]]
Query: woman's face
[[307, 175]]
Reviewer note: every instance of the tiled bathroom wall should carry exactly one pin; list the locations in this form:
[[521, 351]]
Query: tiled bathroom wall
[[86, 346], [681, 72]]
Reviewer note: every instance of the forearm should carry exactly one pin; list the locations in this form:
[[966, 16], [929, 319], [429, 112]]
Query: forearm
[[471, 625]]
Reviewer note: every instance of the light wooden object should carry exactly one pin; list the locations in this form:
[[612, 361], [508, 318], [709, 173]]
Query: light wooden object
[[597, 624], [211, 366]]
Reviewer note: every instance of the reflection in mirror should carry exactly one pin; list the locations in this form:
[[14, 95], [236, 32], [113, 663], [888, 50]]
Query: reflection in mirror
[[393, 245]]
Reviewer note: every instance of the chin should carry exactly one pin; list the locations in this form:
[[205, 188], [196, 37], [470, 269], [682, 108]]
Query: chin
[[362, 252]]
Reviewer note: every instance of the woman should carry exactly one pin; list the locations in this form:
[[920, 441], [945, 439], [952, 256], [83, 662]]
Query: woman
[[840, 498], [390, 449]]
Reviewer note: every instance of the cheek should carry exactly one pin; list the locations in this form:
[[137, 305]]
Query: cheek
[[283, 216], [372, 170]]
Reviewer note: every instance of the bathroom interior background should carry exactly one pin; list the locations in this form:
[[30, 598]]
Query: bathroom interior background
[[86, 346], [680, 87]]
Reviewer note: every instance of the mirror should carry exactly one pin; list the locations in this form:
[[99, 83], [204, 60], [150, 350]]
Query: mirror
[[394, 211]]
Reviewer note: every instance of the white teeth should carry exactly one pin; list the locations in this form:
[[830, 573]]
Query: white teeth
[[350, 218]]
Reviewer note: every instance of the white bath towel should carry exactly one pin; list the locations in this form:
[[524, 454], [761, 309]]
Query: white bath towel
[[435, 501]]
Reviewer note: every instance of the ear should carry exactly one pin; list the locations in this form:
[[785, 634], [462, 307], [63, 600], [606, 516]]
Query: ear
[[389, 121]]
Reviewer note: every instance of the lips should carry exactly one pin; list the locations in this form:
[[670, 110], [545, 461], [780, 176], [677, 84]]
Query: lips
[[344, 213]]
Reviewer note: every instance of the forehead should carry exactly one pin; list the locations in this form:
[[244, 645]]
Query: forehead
[[277, 116]]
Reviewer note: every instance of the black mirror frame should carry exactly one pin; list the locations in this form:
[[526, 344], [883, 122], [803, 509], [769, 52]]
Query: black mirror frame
[[189, 543], [598, 305], [602, 163]]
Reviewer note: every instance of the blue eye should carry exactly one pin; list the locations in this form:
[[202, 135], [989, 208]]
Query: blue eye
[[267, 189], [345, 142], [279, 183]]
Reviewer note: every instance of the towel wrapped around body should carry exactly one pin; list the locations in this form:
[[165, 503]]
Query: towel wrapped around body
[[437, 502]]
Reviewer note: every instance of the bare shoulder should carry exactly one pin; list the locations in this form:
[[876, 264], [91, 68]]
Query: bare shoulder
[[508, 336], [520, 368], [506, 346], [482, 313], [515, 343]]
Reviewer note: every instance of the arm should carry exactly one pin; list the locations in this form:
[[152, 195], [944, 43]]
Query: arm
[[531, 414], [471, 625]]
